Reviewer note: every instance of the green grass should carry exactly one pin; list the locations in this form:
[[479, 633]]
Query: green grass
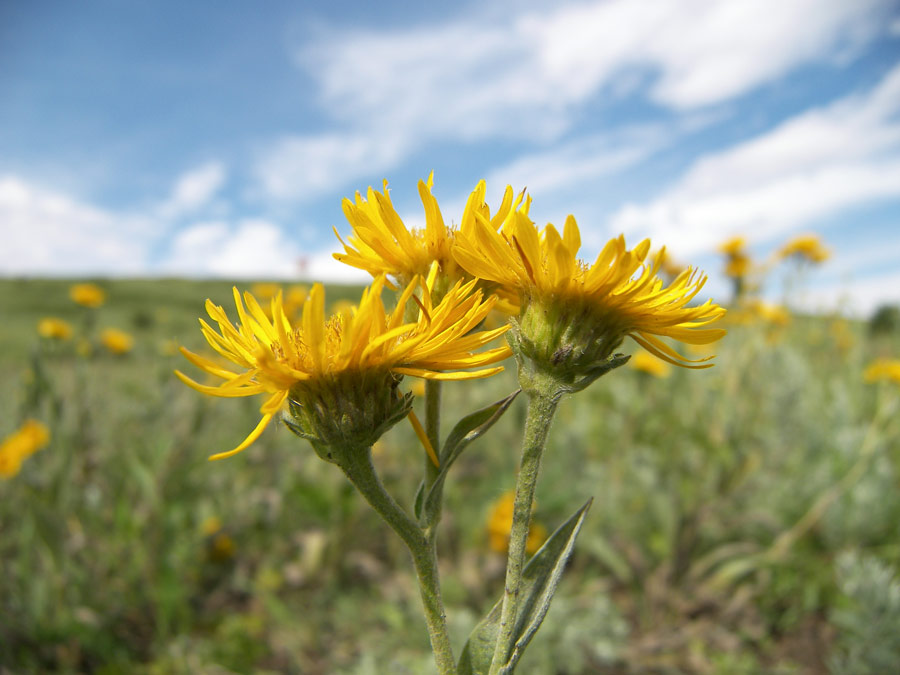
[[107, 567]]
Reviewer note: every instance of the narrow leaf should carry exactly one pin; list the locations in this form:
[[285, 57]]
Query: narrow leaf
[[539, 581], [466, 430], [472, 426], [420, 498]]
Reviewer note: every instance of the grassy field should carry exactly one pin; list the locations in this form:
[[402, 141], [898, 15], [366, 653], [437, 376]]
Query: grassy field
[[745, 517]]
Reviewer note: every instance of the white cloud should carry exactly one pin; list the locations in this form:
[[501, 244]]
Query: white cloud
[[51, 234], [250, 249], [858, 297], [527, 74], [808, 167], [193, 190], [303, 167]]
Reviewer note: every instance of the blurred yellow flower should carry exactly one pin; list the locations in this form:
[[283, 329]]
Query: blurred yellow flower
[[354, 355], [265, 290], [417, 387], [500, 523], [737, 266], [116, 341], [736, 246], [648, 363], [21, 444], [805, 247], [87, 295], [588, 309], [883, 369], [54, 329]]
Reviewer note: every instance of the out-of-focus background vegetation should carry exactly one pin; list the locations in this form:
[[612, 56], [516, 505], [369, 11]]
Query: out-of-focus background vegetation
[[745, 517]]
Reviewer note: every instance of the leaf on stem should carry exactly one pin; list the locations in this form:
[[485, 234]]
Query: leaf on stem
[[469, 428], [539, 581]]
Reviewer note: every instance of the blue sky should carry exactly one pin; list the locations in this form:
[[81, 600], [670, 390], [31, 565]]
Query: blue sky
[[218, 139]]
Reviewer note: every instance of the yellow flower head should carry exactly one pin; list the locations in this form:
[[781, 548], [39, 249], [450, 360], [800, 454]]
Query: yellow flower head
[[54, 329], [736, 246], [87, 295], [340, 376], [647, 363], [883, 369], [499, 526], [21, 444], [116, 341], [382, 244], [805, 247], [574, 314], [737, 266]]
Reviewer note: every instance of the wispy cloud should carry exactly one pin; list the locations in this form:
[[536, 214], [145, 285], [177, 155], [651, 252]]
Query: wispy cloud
[[48, 233], [193, 190], [529, 74], [808, 167], [303, 167], [248, 249]]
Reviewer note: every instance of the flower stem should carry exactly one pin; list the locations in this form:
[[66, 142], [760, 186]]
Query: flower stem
[[359, 469], [542, 405], [433, 431]]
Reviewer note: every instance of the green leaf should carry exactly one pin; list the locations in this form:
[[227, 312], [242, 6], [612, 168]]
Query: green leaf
[[539, 581], [466, 430], [419, 500], [471, 427]]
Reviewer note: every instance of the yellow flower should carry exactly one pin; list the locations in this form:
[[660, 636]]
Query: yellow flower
[[883, 369], [734, 247], [21, 444], [265, 290], [500, 523], [805, 247], [116, 341], [54, 329], [340, 376], [574, 315], [382, 244], [417, 388], [87, 295], [647, 363], [737, 266]]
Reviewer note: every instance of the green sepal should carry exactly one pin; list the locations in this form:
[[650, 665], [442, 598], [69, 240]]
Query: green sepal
[[463, 433], [539, 581], [592, 374]]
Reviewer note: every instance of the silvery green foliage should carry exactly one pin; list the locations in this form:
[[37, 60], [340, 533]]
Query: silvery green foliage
[[868, 620]]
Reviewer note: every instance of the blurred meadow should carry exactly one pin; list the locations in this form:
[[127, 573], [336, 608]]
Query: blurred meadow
[[745, 517]]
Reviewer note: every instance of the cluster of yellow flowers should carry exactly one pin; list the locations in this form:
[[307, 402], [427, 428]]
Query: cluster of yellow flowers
[[91, 296], [567, 315], [20, 445]]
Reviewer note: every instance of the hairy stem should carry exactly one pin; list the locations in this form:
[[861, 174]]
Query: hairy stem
[[359, 469], [541, 408]]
